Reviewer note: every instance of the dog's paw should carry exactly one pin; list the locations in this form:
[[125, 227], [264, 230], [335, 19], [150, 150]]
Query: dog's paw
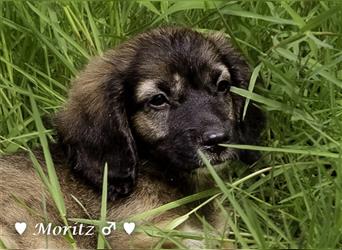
[[120, 187]]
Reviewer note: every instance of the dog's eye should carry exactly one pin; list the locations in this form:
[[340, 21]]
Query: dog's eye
[[158, 100], [223, 86]]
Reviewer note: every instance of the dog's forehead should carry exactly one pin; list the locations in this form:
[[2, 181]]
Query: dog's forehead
[[177, 61], [179, 51]]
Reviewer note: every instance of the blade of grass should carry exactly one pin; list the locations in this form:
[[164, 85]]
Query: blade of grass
[[251, 85], [248, 14], [285, 150], [100, 238], [94, 30], [52, 179], [177, 203], [234, 203]]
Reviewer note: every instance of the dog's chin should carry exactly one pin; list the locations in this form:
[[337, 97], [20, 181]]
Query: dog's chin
[[219, 160]]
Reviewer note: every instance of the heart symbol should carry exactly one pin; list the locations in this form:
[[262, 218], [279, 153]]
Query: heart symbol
[[20, 227], [129, 227]]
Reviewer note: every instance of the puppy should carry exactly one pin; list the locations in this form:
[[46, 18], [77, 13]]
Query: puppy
[[144, 109]]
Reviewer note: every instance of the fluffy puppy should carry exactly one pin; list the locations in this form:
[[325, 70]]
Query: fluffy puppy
[[145, 109]]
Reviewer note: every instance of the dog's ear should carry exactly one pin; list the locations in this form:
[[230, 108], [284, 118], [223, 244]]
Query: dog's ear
[[94, 129], [253, 124]]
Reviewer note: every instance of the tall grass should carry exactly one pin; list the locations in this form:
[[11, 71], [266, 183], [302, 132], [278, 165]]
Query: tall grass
[[293, 197]]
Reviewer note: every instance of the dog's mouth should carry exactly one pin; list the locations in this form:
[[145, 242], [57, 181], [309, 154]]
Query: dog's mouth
[[217, 155]]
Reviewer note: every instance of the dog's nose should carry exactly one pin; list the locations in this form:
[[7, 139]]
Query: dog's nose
[[214, 137]]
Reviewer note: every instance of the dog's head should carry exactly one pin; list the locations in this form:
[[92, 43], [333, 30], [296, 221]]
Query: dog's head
[[161, 96]]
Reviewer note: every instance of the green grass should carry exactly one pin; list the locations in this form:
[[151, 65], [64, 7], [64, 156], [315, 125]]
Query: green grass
[[293, 197]]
